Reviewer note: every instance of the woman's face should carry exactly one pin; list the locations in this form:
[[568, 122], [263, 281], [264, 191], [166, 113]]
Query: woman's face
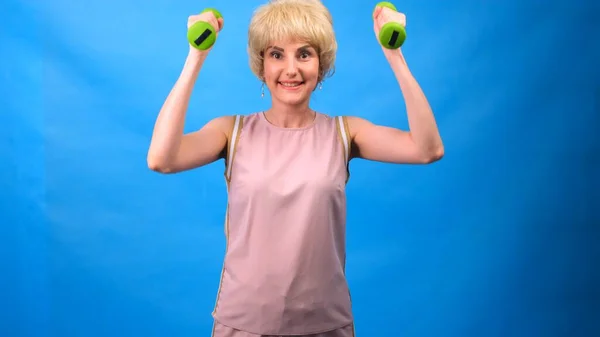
[[291, 71]]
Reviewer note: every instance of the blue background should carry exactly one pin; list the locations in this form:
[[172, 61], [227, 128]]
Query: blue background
[[500, 238]]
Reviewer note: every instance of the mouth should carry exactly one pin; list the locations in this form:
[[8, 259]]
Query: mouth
[[290, 85]]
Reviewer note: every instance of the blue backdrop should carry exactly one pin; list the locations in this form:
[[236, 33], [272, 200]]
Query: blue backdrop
[[500, 238]]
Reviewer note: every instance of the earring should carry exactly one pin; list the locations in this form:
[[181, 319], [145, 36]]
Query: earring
[[320, 85], [262, 90]]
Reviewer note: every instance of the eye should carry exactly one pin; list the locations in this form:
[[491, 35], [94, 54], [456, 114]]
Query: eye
[[275, 54], [305, 54]]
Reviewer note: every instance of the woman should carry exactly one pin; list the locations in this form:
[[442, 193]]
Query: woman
[[286, 170]]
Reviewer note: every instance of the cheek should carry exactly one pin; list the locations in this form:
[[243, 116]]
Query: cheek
[[312, 77], [269, 71], [312, 70], [272, 76]]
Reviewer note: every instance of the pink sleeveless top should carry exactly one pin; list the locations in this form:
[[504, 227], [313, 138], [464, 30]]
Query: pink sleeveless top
[[284, 268]]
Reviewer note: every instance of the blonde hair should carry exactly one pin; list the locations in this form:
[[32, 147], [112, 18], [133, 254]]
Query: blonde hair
[[307, 20]]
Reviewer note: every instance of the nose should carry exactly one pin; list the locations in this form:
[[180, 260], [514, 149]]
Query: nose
[[291, 67]]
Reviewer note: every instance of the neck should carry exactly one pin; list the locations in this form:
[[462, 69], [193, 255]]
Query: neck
[[290, 116]]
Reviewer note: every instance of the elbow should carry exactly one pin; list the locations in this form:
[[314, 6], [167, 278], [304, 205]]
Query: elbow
[[437, 155], [159, 166], [434, 155]]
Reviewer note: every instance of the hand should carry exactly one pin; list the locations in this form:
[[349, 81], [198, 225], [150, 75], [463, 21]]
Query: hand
[[209, 17], [383, 15]]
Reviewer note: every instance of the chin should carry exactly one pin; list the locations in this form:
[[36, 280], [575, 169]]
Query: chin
[[294, 99], [295, 102]]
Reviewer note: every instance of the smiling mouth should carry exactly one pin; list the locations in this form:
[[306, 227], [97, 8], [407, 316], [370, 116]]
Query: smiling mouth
[[290, 85]]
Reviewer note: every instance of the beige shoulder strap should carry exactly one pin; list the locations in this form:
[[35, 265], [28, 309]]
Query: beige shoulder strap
[[342, 127], [232, 146], [344, 135]]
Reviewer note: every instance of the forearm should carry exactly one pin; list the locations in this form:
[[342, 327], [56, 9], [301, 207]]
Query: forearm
[[421, 120], [169, 126]]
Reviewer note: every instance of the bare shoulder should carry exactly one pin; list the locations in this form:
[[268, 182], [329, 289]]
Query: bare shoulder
[[221, 123], [355, 124], [211, 138]]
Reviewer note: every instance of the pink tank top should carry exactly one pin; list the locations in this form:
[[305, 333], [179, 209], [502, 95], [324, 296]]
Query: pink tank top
[[284, 268]]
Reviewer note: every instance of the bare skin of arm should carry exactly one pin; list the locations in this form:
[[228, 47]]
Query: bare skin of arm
[[171, 150], [422, 144]]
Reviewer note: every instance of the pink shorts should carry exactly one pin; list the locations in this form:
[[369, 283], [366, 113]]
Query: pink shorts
[[220, 330]]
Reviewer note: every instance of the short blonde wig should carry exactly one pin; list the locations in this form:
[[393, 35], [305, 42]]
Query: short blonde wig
[[306, 20]]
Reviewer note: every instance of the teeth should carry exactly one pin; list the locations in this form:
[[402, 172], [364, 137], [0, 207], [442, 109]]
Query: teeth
[[290, 84]]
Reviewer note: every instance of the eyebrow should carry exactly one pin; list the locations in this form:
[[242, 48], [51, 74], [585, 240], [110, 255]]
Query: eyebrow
[[307, 46]]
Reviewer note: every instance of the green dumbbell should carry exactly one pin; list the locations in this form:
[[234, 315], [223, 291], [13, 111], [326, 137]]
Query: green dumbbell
[[392, 34], [202, 35]]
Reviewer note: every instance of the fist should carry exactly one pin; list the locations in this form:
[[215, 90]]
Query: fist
[[209, 17], [383, 15]]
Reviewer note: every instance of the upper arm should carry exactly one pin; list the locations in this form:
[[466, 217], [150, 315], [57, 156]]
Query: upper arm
[[383, 144], [205, 145]]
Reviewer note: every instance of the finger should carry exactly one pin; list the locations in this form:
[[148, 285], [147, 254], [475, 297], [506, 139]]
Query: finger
[[398, 17], [379, 22], [387, 11], [210, 15], [221, 23], [212, 21], [377, 12]]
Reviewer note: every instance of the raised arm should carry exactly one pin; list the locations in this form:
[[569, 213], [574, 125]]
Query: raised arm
[[170, 150], [422, 144]]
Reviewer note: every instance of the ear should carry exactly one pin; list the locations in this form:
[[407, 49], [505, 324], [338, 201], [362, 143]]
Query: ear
[[321, 75], [319, 85]]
